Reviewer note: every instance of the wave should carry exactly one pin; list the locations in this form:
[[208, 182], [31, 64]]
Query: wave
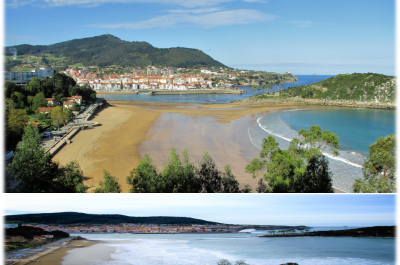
[[280, 135]]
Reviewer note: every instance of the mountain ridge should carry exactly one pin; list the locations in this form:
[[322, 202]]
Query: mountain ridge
[[84, 218], [106, 50]]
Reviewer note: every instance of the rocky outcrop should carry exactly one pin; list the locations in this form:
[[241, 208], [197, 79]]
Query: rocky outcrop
[[321, 102]]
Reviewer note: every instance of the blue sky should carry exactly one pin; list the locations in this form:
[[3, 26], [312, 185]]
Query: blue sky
[[273, 209], [302, 37]]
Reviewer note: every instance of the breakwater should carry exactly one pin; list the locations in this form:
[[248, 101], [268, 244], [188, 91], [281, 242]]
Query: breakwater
[[319, 102]]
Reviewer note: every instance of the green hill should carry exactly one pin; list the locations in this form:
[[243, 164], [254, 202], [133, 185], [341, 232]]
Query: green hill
[[357, 87], [107, 50], [69, 218]]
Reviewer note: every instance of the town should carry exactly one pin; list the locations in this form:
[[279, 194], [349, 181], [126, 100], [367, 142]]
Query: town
[[146, 228]]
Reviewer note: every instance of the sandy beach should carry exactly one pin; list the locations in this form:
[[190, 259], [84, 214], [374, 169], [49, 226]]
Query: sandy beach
[[130, 129], [55, 255]]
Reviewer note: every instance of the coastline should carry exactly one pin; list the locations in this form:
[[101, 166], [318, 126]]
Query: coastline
[[172, 92], [127, 127], [56, 254], [317, 102]]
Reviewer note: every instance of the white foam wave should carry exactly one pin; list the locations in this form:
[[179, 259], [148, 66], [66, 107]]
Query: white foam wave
[[338, 158]]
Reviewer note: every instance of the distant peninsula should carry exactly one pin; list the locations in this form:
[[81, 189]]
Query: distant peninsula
[[69, 219], [348, 90], [374, 231]]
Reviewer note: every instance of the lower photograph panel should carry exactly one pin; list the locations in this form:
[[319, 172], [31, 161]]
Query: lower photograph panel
[[199, 229]]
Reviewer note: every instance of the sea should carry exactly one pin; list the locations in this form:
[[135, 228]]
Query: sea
[[204, 249], [357, 129]]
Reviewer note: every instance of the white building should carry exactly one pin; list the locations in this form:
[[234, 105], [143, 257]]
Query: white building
[[25, 77]]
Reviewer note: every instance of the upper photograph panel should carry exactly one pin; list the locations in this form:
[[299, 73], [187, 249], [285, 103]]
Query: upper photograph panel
[[199, 96]]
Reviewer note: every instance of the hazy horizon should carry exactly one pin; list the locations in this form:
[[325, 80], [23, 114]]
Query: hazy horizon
[[274, 209]]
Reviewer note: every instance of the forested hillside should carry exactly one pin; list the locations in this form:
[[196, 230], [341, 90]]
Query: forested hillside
[[106, 50], [358, 87], [82, 218]]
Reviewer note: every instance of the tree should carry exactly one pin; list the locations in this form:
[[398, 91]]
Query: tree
[[379, 168], [144, 177], [183, 176], [19, 100], [110, 184], [302, 168], [58, 115], [15, 124], [31, 165], [179, 176], [277, 82], [70, 179], [254, 89], [39, 101], [35, 171]]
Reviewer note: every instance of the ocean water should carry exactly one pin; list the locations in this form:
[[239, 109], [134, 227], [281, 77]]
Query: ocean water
[[212, 98], [356, 129], [203, 249]]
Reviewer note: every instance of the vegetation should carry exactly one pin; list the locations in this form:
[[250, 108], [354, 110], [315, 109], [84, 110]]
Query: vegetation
[[15, 123], [73, 218], [359, 87], [37, 173], [182, 176], [107, 50], [110, 184], [22, 101], [59, 115], [300, 169], [379, 168]]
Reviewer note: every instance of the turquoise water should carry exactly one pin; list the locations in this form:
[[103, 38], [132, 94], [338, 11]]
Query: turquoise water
[[202, 249], [356, 128]]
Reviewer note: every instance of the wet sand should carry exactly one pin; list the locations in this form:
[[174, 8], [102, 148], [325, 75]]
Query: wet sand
[[57, 256], [130, 129]]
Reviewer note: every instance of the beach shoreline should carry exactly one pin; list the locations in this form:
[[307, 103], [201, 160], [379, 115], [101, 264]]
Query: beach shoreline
[[55, 255], [127, 127]]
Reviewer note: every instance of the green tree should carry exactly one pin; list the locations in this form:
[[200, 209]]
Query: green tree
[[58, 115], [31, 165], [178, 176], [15, 124], [19, 100], [254, 89], [182, 176], [110, 184], [144, 177], [39, 101], [301, 169], [70, 179], [379, 168], [35, 171]]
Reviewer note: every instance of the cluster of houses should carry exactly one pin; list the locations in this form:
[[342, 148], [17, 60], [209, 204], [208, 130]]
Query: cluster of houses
[[52, 102], [144, 228], [164, 79]]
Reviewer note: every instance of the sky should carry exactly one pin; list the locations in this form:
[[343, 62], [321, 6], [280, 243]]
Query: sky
[[268, 209], [302, 37]]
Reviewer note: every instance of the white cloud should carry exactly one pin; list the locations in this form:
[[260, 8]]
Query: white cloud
[[184, 3], [206, 20]]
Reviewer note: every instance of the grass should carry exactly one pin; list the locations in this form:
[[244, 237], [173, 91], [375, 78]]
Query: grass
[[22, 69]]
